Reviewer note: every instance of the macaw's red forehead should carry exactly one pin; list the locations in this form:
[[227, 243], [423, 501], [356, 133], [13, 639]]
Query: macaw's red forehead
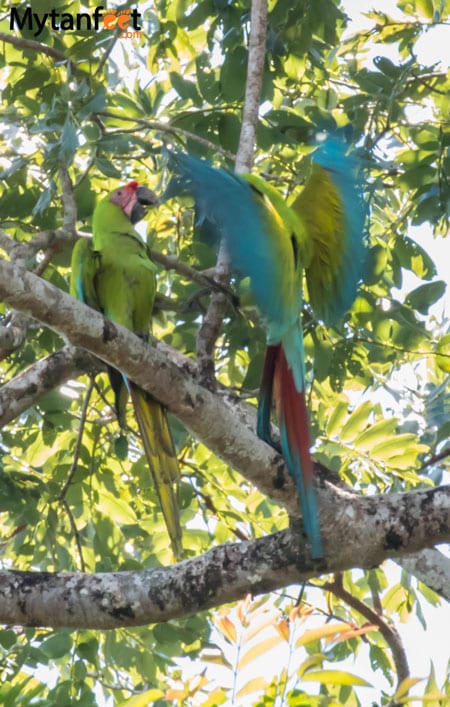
[[133, 185]]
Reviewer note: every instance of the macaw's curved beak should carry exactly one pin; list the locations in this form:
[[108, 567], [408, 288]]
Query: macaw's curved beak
[[144, 198]]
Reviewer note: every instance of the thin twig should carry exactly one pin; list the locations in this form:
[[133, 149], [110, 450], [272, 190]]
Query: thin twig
[[389, 633], [435, 459], [39, 47], [171, 262], [76, 453], [167, 128], [76, 534], [107, 53]]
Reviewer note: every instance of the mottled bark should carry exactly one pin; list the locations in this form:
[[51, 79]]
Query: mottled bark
[[393, 524], [431, 567], [31, 385], [358, 531]]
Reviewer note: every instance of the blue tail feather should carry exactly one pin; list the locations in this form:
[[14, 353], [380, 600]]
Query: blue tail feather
[[307, 495]]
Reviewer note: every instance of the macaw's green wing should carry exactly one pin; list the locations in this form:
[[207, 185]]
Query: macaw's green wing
[[84, 280], [331, 210], [84, 267]]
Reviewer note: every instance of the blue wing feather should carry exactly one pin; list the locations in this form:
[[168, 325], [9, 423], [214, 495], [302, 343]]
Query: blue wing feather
[[230, 202]]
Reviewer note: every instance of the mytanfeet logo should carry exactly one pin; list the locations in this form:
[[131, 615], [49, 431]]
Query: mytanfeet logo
[[126, 21]]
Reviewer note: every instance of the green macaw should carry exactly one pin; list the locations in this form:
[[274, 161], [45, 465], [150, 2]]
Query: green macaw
[[113, 273], [272, 243]]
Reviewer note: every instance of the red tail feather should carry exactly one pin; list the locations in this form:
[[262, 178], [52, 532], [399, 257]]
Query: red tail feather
[[292, 413]]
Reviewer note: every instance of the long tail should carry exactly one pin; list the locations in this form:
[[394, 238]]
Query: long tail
[[283, 381], [295, 442], [162, 460]]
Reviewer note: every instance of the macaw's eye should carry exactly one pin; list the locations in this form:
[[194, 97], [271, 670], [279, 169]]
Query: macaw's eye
[[119, 192]]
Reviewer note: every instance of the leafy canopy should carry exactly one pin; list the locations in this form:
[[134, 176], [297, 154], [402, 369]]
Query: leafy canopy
[[101, 108]]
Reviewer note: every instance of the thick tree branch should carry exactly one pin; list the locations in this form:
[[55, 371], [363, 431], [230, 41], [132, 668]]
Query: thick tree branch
[[26, 389], [393, 524], [30, 386], [432, 568], [11, 337], [218, 420]]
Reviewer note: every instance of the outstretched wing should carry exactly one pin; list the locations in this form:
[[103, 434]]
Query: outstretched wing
[[333, 215]]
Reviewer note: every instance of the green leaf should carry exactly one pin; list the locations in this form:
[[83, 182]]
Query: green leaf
[[425, 8], [208, 83], [443, 353], [355, 423], [412, 256], [335, 677], [95, 104], [376, 263], [7, 638], [424, 296], [395, 446], [121, 447], [57, 645], [69, 142], [405, 686], [117, 509], [233, 73], [336, 418], [386, 66], [107, 168], [88, 649], [374, 434], [185, 89]]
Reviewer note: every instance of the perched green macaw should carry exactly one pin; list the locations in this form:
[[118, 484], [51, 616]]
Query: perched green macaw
[[113, 273], [273, 243]]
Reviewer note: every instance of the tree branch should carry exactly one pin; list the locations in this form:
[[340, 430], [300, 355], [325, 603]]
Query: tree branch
[[26, 389], [166, 128], [38, 47], [226, 573], [210, 328], [219, 420], [31, 385], [430, 567], [69, 205], [171, 262], [253, 86], [389, 632]]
